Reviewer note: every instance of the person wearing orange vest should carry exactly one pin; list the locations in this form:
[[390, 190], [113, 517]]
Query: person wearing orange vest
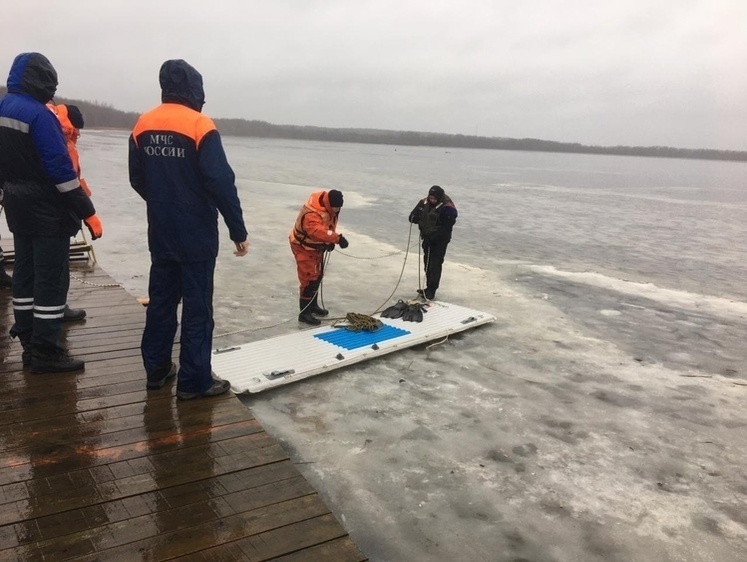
[[71, 120], [314, 233]]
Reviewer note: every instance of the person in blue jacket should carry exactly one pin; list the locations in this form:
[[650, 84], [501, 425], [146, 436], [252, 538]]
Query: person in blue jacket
[[44, 205], [178, 166]]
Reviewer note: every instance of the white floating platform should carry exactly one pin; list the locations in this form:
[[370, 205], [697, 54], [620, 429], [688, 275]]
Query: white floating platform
[[257, 366]]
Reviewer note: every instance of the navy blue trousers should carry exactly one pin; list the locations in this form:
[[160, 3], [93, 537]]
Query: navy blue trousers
[[192, 283], [41, 278]]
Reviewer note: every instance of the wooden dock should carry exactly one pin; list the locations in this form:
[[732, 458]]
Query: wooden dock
[[94, 467]]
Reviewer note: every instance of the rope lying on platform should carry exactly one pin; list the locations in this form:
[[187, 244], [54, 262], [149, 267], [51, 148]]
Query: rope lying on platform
[[357, 322]]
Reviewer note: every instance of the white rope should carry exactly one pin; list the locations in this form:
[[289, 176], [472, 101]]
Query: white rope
[[390, 254]]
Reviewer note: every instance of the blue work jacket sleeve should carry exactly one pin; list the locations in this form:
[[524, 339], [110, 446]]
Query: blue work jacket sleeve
[[50, 142], [219, 182], [137, 175]]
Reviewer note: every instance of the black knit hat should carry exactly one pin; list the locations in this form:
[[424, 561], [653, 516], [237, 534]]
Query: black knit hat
[[75, 116], [437, 192], [335, 198]]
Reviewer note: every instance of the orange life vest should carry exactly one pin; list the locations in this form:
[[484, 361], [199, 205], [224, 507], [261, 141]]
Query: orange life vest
[[316, 223]]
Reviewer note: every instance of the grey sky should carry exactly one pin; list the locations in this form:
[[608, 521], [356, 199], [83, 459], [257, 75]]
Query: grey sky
[[632, 72]]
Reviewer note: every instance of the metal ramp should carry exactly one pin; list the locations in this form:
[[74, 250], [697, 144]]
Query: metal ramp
[[257, 366]]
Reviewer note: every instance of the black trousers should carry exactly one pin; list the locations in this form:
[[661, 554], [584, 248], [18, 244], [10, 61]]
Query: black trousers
[[192, 283], [433, 261], [41, 279]]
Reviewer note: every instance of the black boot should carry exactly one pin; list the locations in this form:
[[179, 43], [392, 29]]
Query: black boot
[[159, 376], [306, 317], [26, 344], [72, 314], [44, 361], [316, 309], [5, 279], [218, 388]]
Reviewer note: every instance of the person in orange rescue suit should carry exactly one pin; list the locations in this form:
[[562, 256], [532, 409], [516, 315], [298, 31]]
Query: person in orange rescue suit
[[71, 120], [44, 206], [314, 233], [435, 216], [178, 166]]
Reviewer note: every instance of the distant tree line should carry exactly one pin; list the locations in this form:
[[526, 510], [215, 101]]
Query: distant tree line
[[98, 115]]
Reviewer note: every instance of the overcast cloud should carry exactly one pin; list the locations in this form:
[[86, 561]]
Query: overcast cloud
[[631, 72]]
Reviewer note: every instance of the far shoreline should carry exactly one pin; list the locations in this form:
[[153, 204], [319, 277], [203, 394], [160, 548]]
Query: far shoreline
[[638, 152]]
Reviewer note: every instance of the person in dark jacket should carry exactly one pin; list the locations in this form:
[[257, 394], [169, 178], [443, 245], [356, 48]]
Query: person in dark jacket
[[44, 205], [435, 216], [178, 166]]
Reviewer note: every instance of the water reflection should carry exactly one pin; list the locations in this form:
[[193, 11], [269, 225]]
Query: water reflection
[[47, 451], [178, 439]]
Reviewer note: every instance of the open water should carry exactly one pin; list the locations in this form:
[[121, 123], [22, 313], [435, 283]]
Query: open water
[[681, 224]]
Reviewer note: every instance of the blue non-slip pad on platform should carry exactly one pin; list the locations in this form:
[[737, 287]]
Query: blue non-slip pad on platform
[[354, 340]]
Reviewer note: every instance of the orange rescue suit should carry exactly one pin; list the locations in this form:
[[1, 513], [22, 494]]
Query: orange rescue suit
[[71, 136], [313, 231]]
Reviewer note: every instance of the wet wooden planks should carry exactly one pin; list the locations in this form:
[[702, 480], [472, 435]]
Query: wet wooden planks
[[94, 467]]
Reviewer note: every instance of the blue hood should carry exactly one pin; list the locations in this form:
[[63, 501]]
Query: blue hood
[[33, 74]]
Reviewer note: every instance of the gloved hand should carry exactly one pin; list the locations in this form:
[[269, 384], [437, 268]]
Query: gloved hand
[[328, 247], [94, 226], [343, 242], [416, 215]]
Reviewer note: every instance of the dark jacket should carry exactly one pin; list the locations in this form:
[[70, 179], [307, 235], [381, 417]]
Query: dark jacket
[[435, 221], [42, 194], [178, 166]]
